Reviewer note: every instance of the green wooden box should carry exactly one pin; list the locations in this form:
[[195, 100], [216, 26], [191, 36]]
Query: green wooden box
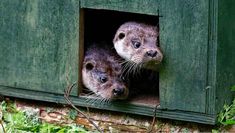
[[42, 43]]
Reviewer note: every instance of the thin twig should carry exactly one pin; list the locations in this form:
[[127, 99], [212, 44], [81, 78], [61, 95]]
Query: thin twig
[[3, 129], [1, 120], [66, 96], [153, 121]]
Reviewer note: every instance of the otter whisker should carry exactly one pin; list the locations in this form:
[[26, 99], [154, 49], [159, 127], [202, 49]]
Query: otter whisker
[[126, 68], [91, 101], [91, 98], [87, 97], [102, 101], [135, 69], [125, 72], [107, 101], [90, 93], [88, 100], [128, 73], [131, 68], [124, 62], [138, 69], [94, 100]]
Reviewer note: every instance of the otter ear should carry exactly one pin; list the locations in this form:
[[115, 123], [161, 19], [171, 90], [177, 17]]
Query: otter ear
[[121, 35], [89, 66]]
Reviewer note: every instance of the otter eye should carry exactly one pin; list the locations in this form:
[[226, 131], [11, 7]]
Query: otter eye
[[136, 44], [121, 35], [103, 79]]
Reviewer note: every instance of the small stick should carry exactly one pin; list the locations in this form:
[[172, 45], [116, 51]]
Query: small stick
[[66, 96], [4, 131], [1, 119], [153, 121]]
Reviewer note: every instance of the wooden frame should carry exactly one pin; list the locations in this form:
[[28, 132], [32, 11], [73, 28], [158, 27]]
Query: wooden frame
[[41, 53]]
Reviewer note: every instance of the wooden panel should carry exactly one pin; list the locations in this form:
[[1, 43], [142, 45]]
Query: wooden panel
[[39, 44], [212, 47], [225, 73], [184, 40], [136, 6], [113, 106]]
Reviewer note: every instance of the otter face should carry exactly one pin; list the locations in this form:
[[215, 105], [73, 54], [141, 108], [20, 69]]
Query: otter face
[[137, 43], [103, 78]]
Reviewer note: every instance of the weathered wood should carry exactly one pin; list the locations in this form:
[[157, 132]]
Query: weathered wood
[[184, 40], [41, 49], [80, 49], [39, 44], [124, 107], [211, 68], [135, 6], [225, 62]]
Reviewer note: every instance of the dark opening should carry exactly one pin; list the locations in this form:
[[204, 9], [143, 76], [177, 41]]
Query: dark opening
[[101, 26]]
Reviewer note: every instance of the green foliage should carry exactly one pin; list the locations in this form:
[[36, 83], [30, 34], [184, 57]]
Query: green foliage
[[227, 115], [28, 122], [72, 114], [233, 88], [50, 128], [214, 131]]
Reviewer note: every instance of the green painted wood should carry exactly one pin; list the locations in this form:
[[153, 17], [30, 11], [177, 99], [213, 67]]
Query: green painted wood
[[212, 48], [113, 106], [225, 63], [184, 40], [136, 6], [39, 44]]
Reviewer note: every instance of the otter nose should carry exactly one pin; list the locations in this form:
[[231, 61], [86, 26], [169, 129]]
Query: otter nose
[[118, 91], [151, 53]]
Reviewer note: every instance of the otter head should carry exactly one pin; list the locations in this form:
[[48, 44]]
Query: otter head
[[101, 74], [137, 42]]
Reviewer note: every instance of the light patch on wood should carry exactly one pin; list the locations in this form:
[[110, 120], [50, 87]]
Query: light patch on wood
[[32, 14]]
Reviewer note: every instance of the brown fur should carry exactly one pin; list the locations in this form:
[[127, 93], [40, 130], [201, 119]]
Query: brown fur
[[146, 35], [105, 64]]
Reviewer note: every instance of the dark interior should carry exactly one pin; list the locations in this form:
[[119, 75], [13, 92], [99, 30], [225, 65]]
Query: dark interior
[[100, 26]]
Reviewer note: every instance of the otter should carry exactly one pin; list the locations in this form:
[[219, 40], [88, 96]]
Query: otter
[[137, 43], [101, 73]]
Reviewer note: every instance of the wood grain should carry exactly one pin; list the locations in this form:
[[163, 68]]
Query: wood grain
[[39, 44]]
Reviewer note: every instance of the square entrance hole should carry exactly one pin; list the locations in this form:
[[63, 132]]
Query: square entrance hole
[[100, 26]]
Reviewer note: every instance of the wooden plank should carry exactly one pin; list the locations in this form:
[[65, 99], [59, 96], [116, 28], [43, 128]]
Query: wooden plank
[[212, 47], [81, 48], [112, 106], [184, 40], [135, 6], [39, 44], [225, 68]]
